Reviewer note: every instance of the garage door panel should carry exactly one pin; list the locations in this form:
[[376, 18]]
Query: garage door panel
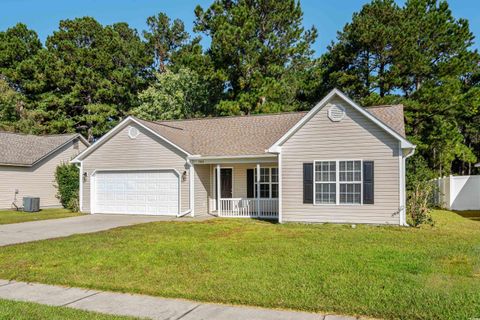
[[136, 192]]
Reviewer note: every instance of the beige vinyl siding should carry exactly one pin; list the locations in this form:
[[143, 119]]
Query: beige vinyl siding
[[146, 151], [356, 138], [37, 181], [201, 188], [239, 179]]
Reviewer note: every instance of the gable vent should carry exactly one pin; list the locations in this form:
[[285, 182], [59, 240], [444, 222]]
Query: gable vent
[[133, 132], [336, 112]]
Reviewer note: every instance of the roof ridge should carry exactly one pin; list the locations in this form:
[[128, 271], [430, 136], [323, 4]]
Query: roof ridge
[[224, 117], [385, 105], [40, 135]]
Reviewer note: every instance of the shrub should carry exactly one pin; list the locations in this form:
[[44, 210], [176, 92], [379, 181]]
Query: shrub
[[419, 203], [66, 176], [420, 189]]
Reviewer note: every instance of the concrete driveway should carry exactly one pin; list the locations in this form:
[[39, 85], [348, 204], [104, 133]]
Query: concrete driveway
[[55, 228]]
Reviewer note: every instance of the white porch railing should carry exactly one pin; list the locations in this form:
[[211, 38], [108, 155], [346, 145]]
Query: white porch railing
[[248, 208]]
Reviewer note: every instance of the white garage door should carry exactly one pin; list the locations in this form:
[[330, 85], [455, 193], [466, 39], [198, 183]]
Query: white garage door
[[136, 192]]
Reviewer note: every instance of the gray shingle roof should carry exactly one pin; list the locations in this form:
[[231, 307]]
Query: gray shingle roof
[[226, 136], [247, 135], [26, 149], [391, 115]]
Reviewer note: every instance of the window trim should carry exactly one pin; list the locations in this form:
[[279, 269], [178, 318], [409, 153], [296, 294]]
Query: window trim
[[337, 183], [255, 183]]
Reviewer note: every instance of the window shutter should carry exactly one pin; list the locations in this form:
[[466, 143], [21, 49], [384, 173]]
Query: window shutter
[[368, 187], [250, 183], [308, 183]]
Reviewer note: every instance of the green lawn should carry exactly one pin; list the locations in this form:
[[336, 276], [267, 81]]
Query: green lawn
[[11, 216], [27, 311], [388, 272]]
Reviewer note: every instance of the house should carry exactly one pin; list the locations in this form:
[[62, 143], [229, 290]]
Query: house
[[337, 163], [28, 163]]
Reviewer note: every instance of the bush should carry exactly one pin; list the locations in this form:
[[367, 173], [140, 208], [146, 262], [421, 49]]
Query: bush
[[420, 189], [66, 176], [419, 203]]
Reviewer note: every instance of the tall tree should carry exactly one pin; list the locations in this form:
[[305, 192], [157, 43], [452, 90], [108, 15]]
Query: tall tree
[[17, 44], [11, 105], [164, 38], [93, 75], [177, 95], [260, 51], [418, 55], [362, 59]]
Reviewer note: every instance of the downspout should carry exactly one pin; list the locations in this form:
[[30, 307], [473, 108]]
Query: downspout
[[404, 199], [80, 185]]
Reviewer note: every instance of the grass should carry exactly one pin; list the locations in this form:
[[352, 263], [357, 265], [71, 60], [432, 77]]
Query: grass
[[387, 272], [26, 311], [11, 216]]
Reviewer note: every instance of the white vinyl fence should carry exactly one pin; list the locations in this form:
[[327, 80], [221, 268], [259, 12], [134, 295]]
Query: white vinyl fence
[[458, 192]]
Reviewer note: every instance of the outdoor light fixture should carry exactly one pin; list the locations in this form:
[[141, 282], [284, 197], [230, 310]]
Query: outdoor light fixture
[[184, 176]]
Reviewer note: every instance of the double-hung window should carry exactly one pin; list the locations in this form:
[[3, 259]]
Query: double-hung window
[[325, 182], [268, 183], [350, 176], [338, 182]]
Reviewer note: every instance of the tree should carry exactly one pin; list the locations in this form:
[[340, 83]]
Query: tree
[[421, 56], [434, 44], [362, 60], [164, 38], [93, 74], [260, 51], [11, 105], [16, 45], [177, 95]]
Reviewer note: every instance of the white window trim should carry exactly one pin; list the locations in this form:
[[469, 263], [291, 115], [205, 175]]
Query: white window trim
[[255, 183], [337, 183]]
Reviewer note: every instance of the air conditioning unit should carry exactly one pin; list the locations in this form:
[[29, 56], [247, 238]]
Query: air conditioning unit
[[31, 204]]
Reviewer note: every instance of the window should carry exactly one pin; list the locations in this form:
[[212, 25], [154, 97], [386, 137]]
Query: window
[[338, 182], [325, 182], [268, 183], [350, 175]]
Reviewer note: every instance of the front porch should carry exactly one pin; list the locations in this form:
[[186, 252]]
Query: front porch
[[243, 193]]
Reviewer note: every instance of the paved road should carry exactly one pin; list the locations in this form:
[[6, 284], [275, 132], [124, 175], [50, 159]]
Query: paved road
[[145, 306], [55, 228]]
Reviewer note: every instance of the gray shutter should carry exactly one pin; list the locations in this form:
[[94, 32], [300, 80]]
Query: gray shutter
[[308, 183], [368, 185], [250, 183]]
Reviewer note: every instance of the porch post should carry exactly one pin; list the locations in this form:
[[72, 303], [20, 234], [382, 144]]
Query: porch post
[[258, 189], [218, 190]]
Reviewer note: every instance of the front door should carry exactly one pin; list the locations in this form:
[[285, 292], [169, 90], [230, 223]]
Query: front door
[[226, 182]]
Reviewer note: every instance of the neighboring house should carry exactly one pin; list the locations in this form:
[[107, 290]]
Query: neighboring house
[[337, 163], [28, 163]]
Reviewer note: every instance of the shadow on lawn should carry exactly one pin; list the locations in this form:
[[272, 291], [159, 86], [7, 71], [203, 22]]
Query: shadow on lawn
[[469, 214]]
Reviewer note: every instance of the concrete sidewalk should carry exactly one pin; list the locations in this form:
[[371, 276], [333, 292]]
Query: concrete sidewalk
[[145, 306]]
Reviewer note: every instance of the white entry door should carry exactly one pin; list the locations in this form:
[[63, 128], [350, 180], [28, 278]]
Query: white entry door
[[136, 192]]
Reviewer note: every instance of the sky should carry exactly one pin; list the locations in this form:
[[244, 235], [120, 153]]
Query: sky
[[328, 16]]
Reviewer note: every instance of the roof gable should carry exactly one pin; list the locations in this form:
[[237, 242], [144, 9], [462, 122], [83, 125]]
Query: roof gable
[[335, 92], [27, 150], [118, 128]]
